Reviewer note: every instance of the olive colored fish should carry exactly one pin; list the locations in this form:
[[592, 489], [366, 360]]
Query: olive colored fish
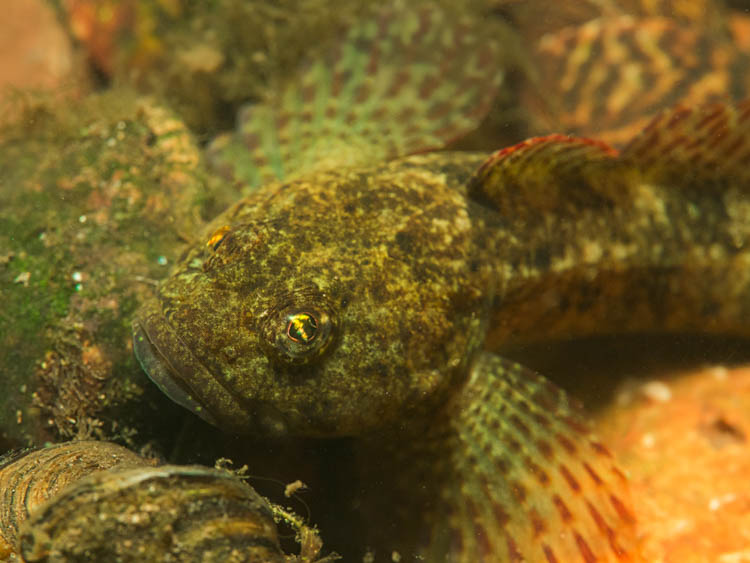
[[366, 300], [361, 302]]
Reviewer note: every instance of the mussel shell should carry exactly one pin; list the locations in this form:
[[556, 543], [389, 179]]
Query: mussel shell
[[166, 513], [29, 478]]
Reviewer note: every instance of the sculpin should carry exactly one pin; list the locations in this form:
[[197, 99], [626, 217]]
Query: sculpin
[[366, 300]]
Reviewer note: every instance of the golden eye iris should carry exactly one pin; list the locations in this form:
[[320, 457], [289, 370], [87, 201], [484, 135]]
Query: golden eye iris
[[301, 327], [299, 335], [218, 236]]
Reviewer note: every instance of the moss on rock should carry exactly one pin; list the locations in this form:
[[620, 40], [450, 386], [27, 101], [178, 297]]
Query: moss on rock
[[95, 201]]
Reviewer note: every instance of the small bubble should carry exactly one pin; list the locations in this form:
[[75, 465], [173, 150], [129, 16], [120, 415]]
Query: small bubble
[[82, 219], [79, 286], [111, 142], [23, 278], [719, 373], [648, 440], [162, 260], [657, 391], [121, 125], [77, 276]]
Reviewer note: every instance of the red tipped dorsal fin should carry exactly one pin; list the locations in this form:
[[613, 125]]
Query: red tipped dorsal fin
[[706, 144], [533, 172]]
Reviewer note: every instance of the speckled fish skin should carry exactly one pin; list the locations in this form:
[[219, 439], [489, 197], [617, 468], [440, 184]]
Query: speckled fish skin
[[387, 266], [410, 268], [651, 240]]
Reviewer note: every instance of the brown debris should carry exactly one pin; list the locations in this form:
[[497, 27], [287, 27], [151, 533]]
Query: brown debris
[[70, 382]]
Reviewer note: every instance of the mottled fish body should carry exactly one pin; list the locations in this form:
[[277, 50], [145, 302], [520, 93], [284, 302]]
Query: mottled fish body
[[366, 300]]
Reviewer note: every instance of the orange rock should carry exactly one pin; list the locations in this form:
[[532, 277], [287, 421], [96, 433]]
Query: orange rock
[[740, 27], [684, 443], [97, 24], [35, 53]]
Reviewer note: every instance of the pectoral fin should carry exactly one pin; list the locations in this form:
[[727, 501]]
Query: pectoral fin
[[409, 80], [509, 471], [531, 481]]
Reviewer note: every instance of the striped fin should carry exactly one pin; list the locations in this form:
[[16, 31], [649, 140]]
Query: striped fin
[[705, 13], [608, 77], [709, 142], [534, 484], [530, 173], [511, 473], [410, 80]]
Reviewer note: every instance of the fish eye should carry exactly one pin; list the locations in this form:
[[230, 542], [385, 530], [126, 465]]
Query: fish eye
[[302, 327], [301, 334]]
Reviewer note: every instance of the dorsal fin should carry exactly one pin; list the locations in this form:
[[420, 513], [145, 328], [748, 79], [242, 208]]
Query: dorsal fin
[[609, 77], [409, 80], [530, 174], [706, 142], [710, 143]]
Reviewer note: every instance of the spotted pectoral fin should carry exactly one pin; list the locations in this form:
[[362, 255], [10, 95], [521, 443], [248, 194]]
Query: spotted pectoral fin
[[609, 76], [410, 79], [521, 476], [700, 146]]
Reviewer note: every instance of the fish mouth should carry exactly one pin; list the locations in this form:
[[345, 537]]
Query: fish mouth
[[173, 367]]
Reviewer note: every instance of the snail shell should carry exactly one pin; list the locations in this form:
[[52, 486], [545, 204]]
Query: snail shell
[[29, 478], [122, 508]]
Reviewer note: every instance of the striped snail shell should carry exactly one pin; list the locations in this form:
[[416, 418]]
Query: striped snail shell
[[95, 501], [29, 478]]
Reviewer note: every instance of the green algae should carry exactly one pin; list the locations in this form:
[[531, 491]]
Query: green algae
[[94, 199]]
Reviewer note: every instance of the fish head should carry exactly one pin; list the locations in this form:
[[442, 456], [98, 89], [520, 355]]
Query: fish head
[[323, 307]]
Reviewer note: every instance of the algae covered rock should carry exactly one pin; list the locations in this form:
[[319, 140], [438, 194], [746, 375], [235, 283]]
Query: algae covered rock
[[94, 201]]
